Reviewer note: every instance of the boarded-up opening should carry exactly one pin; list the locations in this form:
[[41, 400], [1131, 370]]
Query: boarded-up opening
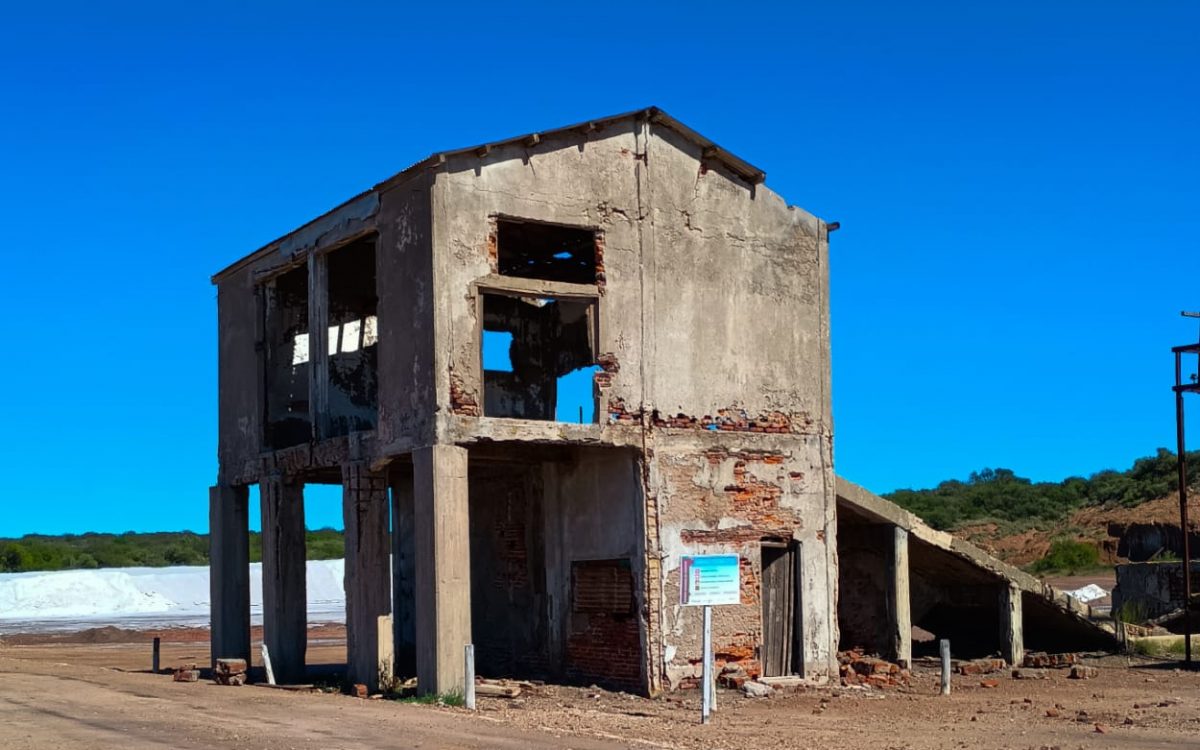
[[353, 338], [550, 252], [604, 643], [781, 652], [539, 358], [285, 353]]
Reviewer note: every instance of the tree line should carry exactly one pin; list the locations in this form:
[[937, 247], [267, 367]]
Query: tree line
[[35, 552], [1000, 495]]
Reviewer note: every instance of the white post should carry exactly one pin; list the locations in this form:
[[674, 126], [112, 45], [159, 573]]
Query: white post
[[469, 677], [944, 647], [266, 656], [706, 690]]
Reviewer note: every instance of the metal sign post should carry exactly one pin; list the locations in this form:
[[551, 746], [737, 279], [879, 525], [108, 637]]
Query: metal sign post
[[708, 581]]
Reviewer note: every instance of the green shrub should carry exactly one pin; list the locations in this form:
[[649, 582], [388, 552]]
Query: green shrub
[[1068, 556]]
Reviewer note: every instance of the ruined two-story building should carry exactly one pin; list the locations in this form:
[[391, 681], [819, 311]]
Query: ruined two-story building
[[417, 345]]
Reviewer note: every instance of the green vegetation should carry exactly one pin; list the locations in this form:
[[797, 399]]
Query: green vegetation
[[454, 698], [1162, 646], [1068, 556], [1002, 496], [35, 552]]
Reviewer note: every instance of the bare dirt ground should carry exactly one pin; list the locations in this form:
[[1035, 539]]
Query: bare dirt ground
[[55, 693]]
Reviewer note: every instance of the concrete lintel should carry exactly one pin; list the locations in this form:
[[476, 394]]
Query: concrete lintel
[[442, 566], [512, 285], [229, 571]]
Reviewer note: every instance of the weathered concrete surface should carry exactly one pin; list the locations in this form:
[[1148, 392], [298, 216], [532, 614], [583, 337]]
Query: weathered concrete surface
[[899, 600], [1032, 608], [1150, 589], [285, 622], [368, 569], [443, 567], [404, 607], [229, 576]]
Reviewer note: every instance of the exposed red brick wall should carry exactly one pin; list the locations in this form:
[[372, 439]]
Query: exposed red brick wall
[[604, 644], [462, 402]]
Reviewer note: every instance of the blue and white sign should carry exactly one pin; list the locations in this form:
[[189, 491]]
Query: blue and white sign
[[710, 580]]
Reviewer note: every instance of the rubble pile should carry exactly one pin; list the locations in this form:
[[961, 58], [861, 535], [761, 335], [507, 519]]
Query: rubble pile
[[230, 672], [860, 669], [1042, 660]]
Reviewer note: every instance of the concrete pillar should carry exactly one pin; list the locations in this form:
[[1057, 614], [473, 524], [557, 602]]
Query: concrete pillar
[[229, 571], [899, 602], [443, 566], [1012, 631], [285, 600], [368, 571], [404, 617]]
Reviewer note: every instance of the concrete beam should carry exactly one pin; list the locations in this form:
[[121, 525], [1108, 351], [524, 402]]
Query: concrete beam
[[404, 618], [443, 567], [368, 574], [229, 571], [1012, 632], [899, 599], [284, 584]]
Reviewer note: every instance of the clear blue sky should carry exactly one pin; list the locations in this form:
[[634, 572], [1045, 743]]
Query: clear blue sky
[[1017, 186]]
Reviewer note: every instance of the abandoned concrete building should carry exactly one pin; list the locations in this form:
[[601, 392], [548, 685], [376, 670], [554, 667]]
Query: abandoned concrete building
[[419, 345]]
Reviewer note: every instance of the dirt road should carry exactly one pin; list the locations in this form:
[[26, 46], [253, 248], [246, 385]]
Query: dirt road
[[68, 695]]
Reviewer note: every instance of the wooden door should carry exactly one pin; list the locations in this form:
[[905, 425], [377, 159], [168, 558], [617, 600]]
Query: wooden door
[[780, 652]]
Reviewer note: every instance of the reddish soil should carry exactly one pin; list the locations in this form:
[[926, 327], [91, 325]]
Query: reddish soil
[[1087, 524], [60, 694]]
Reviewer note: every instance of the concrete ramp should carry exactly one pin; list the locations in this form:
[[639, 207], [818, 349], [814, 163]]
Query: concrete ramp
[[896, 572]]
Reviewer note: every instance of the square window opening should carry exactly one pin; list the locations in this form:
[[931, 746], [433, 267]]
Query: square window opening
[[539, 358], [550, 252]]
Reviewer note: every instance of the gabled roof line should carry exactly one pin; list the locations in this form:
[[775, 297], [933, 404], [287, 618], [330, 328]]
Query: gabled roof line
[[709, 150]]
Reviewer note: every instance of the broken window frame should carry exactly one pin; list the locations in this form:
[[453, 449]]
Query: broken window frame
[[264, 284], [557, 291], [317, 317]]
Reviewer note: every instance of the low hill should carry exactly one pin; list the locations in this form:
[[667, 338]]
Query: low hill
[[1075, 524]]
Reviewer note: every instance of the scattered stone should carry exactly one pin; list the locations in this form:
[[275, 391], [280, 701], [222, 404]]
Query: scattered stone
[[753, 689], [1053, 713], [187, 674], [230, 672], [989, 684], [1169, 702], [1040, 659], [1101, 729], [1128, 720], [1080, 672], [360, 691], [980, 666], [1030, 674], [858, 669]]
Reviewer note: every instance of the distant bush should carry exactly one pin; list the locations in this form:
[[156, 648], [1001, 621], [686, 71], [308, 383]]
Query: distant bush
[[1068, 556], [35, 552]]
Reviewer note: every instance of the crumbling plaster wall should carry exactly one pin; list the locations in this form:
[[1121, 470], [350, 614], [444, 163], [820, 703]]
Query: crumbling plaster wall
[[404, 269], [583, 180], [713, 336], [713, 498], [239, 376]]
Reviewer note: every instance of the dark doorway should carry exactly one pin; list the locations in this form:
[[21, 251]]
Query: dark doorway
[[781, 654]]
